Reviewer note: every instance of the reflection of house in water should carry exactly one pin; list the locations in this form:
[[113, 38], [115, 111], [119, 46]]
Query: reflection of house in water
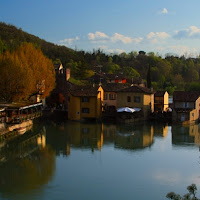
[[160, 130], [83, 135], [188, 134], [109, 133], [22, 145], [132, 137]]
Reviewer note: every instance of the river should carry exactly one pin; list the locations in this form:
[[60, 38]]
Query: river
[[87, 161]]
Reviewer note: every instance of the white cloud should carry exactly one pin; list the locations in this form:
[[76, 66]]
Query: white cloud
[[138, 40], [163, 11], [118, 37], [97, 36], [115, 51], [68, 41], [191, 32], [157, 37], [183, 50]]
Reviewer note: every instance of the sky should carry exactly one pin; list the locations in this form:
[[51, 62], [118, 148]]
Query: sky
[[114, 26]]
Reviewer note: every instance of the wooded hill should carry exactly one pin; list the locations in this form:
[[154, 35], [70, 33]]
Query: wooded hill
[[169, 73], [12, 37]]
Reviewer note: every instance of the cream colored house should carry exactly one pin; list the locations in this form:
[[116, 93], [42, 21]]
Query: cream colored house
[[136, 97]]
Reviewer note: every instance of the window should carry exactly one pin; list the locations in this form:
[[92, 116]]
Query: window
[[105, 96], [128, 99], [85, 110], [112, 96], [137, 99], [186, 104], [85, 99]]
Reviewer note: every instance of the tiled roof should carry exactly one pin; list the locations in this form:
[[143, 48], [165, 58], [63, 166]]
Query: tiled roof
[[80, 91], [114, 87], [137, 89], [183, 96], [114, 76], [159, 93]]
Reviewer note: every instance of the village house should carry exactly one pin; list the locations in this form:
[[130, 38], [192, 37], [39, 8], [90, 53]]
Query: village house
[[161, 101], [115, 78], [110, 95], [107, 78], [85, 102], [186, 106], [136, 97]]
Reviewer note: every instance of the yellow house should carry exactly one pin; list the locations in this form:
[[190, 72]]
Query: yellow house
[[161, 101], [136, 97], [85, 102]]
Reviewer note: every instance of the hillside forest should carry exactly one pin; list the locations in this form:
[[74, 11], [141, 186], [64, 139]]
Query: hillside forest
[[169, 73]]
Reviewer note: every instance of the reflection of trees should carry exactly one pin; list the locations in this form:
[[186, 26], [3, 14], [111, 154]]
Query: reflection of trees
[[185, 135], [25, 163], [23, 145], [26, 174]]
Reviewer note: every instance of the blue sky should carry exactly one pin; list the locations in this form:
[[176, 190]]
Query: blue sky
[[115, 26]]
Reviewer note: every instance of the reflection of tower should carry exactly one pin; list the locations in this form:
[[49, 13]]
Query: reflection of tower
[[160, 130], [68, 149], [41, 139]]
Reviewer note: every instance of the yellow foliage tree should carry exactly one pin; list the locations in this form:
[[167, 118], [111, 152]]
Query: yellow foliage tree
[[24, 72]]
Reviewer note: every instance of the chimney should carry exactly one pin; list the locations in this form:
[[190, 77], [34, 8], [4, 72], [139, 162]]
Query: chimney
[[67, 74]]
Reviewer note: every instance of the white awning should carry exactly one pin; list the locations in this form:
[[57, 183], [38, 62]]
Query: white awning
[[127, 109]]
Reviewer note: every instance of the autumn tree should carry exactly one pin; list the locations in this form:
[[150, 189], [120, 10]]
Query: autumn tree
[[24, 72]]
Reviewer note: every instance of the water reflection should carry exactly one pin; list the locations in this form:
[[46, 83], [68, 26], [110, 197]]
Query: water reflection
[[186, 135], [26, 163], [76, 135], [134, 137], [160, 130]]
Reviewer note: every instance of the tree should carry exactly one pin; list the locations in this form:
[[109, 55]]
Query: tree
[[130, 72], [24, 72], [149, 77], [189, 196]]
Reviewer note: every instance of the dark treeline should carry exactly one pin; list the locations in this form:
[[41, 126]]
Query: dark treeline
[[169, 73]]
